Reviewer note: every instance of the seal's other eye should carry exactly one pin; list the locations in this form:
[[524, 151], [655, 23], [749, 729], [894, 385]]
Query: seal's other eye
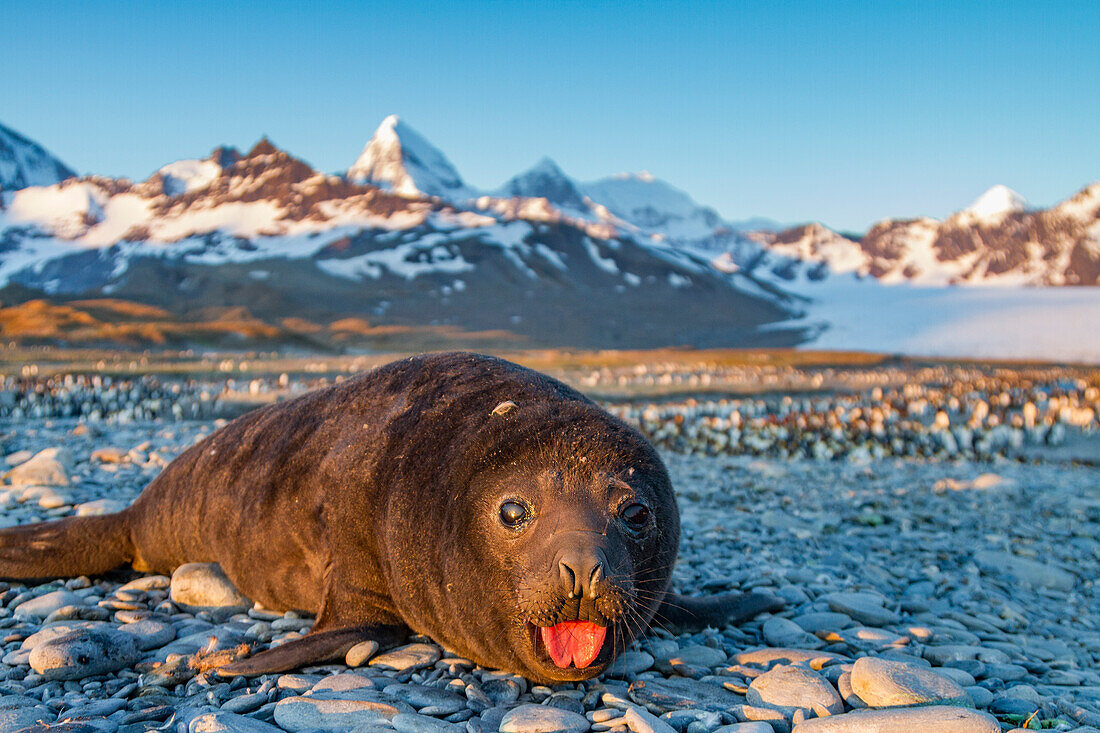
[[635, 515], [513, 514]]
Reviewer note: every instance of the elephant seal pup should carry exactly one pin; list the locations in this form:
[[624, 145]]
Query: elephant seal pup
[[460, 496]]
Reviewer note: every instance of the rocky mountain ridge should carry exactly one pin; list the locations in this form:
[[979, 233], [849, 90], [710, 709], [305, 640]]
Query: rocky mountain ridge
[[23, 162], [401, 241], [264, 241]]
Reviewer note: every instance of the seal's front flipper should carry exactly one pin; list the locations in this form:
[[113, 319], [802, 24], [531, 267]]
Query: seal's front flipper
[[314, 648], [689, 612]]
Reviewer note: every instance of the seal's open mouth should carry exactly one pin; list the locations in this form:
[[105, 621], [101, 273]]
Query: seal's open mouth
[[573, 642]]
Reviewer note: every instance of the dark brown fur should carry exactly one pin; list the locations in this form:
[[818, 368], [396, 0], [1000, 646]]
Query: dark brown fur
[[374, 505]]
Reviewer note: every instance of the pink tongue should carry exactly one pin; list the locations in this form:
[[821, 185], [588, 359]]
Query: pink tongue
[[578, 642]]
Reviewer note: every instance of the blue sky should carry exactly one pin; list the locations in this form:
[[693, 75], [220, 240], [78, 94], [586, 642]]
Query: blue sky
[[840, 112]]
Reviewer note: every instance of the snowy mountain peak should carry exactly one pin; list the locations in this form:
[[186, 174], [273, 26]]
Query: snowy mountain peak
[[546, 180], [23, 162], [263, 147], [995, 203], [398, 158], [225, 156], [652, 204]]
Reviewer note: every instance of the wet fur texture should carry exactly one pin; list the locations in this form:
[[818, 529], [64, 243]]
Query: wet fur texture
[[374, 503]]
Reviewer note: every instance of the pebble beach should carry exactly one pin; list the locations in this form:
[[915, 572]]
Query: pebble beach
[[931, 583]]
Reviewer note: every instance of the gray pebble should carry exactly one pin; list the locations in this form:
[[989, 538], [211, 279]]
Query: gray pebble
[[83, 653], [542, 719]]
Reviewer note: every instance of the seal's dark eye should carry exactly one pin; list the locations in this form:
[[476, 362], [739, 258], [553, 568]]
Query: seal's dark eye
[[512, 513], [635, 515]]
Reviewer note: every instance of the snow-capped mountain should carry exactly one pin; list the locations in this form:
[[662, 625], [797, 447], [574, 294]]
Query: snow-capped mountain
[[997, 240], [655, 207], [993, 205], [397, 158], [545, 180], [289, 250], [23, 162], [261, 245]]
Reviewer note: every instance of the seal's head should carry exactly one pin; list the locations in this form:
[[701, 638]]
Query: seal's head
[[571, 534]]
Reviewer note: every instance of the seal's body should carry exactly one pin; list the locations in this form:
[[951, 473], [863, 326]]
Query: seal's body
[[461, 496]]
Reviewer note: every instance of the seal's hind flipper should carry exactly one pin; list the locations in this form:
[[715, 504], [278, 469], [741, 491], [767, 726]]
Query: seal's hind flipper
[[65, 548], [690, 612], [317, 647]]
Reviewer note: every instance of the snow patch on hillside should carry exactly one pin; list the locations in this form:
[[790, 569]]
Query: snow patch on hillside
[[185, 176]]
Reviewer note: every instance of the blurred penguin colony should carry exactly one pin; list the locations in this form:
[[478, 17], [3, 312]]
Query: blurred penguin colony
[[855, 413]]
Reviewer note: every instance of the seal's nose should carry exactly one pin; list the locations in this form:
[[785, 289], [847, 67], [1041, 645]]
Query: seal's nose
[[581, 570]]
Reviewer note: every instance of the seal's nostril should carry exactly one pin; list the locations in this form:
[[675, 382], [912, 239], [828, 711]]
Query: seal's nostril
[[594, 579], [570, 579]]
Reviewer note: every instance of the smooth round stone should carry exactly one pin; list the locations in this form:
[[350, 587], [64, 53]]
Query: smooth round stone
[[297, 682], [361, 652], [149, 633], [979, 695], [866, 608], [226, 722], [679, 693], [198, 587], [1023, 692], [84, 653], [245, 703], [755, 727], [42, 606], [46, 497], [341, 683], [323, 713], [48, 467], [19, 456], [102, 725], [1006, 672], [1012, 706], [99, 507], [681, 720], [1028, 572], [17, 657], [642, 721], [630, 663], [698, 655], [17, 701], [844, 687], [93, 709], [781, 632], [542, 719], [108, 455], [490, 719], [881, 683], [864, 637], [768, 657], [941, 655], [788, 688], [960, 677], [410, 656], [60, 628], [428, 700], [13, 719], [501, 691], [149, 582], [78, 613], [933, 719], [823, 621], [413, 723]]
